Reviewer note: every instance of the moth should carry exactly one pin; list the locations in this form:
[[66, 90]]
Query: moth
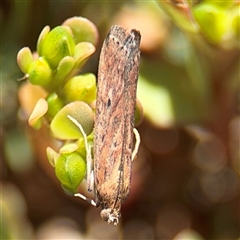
[[114, 122]]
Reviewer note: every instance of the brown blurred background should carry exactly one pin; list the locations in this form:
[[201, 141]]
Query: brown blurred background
[[186, 178]]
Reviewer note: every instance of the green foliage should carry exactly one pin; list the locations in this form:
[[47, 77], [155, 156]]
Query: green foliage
[[176, 86], [82, 88], [40, 73], [55, 104], [70, 169], [213, 20], [61, 53], [63, 128], [59, 57], [56, 45]]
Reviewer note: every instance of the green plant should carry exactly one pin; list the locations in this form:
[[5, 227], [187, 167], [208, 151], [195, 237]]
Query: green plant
[[61, 53]]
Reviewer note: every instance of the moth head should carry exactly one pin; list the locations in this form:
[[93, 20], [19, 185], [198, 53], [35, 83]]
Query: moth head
[[110, 216]]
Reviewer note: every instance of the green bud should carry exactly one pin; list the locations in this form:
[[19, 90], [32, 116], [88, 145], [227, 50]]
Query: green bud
[[40, 73], [82, 88], [70, 170], [56, 45], [54, 105]]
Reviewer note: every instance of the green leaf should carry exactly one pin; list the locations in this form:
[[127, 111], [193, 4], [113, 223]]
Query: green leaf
[[41, 37], [180, 13], [24, 59], [156, 102], [68, 148], [213, 21], [35, 119], [63, 128], [64, 68], [52, 156], [83, 30], [82, 88], [56, 45], [82, 53], [55, 104]]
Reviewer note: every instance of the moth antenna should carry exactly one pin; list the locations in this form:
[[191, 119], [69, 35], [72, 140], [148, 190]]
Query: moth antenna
[[90, 176], [138, 141]]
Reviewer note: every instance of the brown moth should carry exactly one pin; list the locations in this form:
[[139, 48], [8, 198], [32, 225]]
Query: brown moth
[[114, 123], [114, 120]]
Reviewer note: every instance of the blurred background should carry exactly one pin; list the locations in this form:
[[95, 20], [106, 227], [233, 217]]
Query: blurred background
[[185, 182]]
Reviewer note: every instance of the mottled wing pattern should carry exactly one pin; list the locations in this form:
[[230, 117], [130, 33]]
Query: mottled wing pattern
[[114, 122]]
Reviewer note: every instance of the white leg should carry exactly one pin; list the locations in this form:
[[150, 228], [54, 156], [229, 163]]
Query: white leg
[[90, 175], [85, 199], [138, 140]]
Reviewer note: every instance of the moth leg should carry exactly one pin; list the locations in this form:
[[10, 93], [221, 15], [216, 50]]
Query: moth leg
[[89, 200], [90, 175], [138, 140]]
